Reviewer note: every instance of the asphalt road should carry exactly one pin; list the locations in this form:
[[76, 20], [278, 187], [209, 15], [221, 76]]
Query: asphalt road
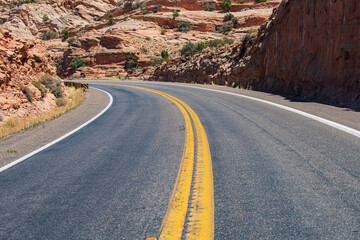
[[277, 175]]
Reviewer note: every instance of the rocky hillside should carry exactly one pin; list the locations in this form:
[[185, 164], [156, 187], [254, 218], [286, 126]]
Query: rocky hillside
[[309, 48], [104, 33], [26, 83]]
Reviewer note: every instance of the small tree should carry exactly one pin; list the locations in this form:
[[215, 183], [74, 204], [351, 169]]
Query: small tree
[[226, 5], [77, 62], [131, 61], [183, 26], [228, 17]]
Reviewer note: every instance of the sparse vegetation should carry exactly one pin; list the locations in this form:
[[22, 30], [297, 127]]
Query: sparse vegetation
[[210, 7], [27, 92], [70, 41], [228, 17], [45, 18], [226, 27], [17, 124], [131, 61], [175, 14], [75, 12], [165, 55], [111, 20], [41, 88], [65, 34], [77, 62], [144, 12], [60, 102], [156, 8], [48, 34], [226, 5], [156, 61], [190, 48], [135, 5], [184, 26], [163, 31], [52, 83]]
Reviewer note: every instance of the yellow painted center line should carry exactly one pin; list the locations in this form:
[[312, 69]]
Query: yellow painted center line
[[201, 216]]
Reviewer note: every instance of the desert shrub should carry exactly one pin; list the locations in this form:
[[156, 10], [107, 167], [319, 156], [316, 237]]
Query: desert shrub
[[190, 48], [235, 21], [45, 18], [175, 14], [48, 34], [156, 61], [144, 12], [111, 20], [165, 27], [165, 55], [75, 12], [226, 5], [60, 102], [77, 62], [184, 26], [228, 17], [163, 31], [156, 8], [242, 1], [210, 7], [131, 61], [65, 34], [27, 92], [260, 1], [70, 41], [52, 83], [135, 5], [41, 88], [226, 27]]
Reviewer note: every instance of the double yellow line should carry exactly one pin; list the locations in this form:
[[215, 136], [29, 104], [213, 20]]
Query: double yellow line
[[200, 223]]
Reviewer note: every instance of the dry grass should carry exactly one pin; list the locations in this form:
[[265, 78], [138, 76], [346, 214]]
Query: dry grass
[[14, 125]]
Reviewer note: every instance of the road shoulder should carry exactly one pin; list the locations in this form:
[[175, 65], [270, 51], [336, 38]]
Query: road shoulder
[[27, 141]]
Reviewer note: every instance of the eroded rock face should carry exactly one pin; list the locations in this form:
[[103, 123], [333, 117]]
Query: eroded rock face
[[309, 48], [312, 48], [22, 62]]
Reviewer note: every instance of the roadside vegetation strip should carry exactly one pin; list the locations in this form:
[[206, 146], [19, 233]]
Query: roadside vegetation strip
[[201, 216], [14, 125], [61, 138]]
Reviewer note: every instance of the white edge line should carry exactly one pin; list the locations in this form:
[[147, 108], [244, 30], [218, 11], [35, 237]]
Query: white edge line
[[338, 126], [60, 138]]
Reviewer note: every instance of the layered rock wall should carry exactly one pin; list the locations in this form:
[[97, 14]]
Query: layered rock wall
[[309, 48]]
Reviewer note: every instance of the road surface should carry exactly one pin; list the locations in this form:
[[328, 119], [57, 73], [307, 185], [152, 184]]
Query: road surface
[[276, 174]]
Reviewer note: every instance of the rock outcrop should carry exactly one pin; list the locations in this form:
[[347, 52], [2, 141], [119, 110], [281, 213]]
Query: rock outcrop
[[21, 63], [309, 48]]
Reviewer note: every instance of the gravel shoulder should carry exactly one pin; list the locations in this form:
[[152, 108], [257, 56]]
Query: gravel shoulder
[[29, 140]]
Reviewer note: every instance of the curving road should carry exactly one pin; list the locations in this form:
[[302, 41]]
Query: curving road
[[276, 174]]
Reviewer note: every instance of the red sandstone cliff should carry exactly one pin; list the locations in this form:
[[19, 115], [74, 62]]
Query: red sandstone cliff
[[21, 63], [310, 48]]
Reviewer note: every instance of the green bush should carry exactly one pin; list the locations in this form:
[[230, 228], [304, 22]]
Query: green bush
[[156, 8], [27, 92], [60, 102], [52, 83], [184, 26], [228, 17], [226, 27], [155, 61], [111, 20], [235, 21], [226, 5], [144, 12], [65, 34], [210, 7], [41, 88], [70, 41], [165, 55], [131, 61], [48, 34], [190, 48], [175, 14], [77, 62], [75, 12], [163, 31], [45, 18]]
